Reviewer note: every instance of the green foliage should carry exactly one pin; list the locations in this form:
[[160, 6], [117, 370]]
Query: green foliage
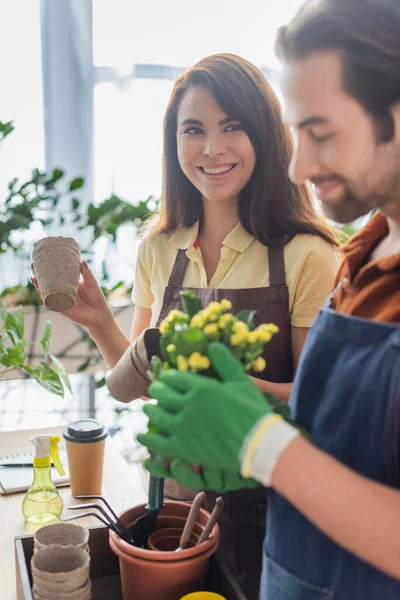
[[247, 316], [6, 129], [14, 353], [36, 199], [191, 304], [112, 213]]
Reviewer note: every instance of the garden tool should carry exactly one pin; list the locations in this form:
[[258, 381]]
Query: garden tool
[[114, 514], [190, 521], [107, 523], [121, 531], [145, 524], [215, 515]]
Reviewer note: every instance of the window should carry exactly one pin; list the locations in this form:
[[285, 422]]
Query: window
[[21, 101]]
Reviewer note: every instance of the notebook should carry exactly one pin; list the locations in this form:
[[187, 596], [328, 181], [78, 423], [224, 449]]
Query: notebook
[[19, 479]]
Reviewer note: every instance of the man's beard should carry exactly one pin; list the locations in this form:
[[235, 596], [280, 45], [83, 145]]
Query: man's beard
[[348, 209]]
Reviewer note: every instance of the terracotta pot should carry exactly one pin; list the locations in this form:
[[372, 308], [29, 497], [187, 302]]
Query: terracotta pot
[[148, 574], [167, 540]]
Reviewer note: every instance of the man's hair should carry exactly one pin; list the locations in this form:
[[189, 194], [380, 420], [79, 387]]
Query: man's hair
[[367, 35]]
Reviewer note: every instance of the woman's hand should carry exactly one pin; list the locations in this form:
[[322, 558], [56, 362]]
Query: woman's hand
[[91, 309], [279, 390]]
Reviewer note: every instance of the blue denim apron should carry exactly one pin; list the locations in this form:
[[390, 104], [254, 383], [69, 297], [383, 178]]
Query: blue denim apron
[[346, 394]]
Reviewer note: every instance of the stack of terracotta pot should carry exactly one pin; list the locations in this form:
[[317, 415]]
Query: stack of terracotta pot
[[160, 571]]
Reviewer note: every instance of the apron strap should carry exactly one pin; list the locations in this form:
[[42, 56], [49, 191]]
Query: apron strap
[[178, 270], [276, 262]]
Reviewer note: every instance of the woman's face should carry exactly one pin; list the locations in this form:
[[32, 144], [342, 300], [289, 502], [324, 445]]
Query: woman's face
[[214, 152]]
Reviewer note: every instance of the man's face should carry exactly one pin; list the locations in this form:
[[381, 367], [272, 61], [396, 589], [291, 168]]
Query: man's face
[[336, 141]]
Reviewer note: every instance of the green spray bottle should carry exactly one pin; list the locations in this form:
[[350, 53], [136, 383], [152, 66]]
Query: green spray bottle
[[42, 503]]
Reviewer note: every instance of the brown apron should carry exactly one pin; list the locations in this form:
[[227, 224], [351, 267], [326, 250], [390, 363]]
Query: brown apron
[[244, 519]]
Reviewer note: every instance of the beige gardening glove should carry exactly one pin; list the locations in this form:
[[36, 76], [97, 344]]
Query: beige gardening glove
[[129, 379]]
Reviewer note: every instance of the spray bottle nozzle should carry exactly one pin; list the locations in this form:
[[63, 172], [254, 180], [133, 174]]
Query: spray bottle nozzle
[[46, 447]]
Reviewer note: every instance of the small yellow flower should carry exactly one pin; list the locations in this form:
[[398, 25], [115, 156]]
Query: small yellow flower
[[239, 338], [240, 327], [259, 364], [266, 331], [164, 327], [214, 307], [211, 330], [171, 348], [224, 320], [264, 336], [197, 321], [270, 327], [197, 362], [177, 315], [253, 337], [212, 317], [226, 304], [182, 363]]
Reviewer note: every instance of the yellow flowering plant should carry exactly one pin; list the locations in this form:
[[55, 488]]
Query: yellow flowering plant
[[185, 335]]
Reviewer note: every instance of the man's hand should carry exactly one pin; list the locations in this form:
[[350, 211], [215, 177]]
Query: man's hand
[[206, 478], [205, 421]]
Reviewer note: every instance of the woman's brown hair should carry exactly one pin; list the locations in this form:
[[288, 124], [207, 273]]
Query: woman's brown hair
[[271, 207]]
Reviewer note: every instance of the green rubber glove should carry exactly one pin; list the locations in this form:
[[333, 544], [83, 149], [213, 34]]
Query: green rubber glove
[[205, 421], [207, 478]]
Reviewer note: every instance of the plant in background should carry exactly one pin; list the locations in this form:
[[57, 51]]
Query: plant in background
[[51, 200], [185, 336], [14, 353]]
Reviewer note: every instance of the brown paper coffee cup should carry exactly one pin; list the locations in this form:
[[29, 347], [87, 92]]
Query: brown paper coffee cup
[[85, 442], [57, 266]]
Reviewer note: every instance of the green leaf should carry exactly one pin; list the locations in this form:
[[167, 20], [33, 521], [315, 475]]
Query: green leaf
[[49, 380], [4, 359], [191, 303], [6, 129], [156, 364], [60, 369], [32, 371], [19, 318], [247, 316], [10, 325], [101, 383], [82, 367], [16, 354], [190, 340], [45, 341], [76, 184], [56, 175], [75, 203]]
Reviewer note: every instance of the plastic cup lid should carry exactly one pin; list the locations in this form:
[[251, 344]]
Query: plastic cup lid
[[85, 431]]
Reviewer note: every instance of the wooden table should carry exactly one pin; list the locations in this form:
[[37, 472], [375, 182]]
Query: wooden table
[[121, 487]]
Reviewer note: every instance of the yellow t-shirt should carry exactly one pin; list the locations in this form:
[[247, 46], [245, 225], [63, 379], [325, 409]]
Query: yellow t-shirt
[[311, 264]]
